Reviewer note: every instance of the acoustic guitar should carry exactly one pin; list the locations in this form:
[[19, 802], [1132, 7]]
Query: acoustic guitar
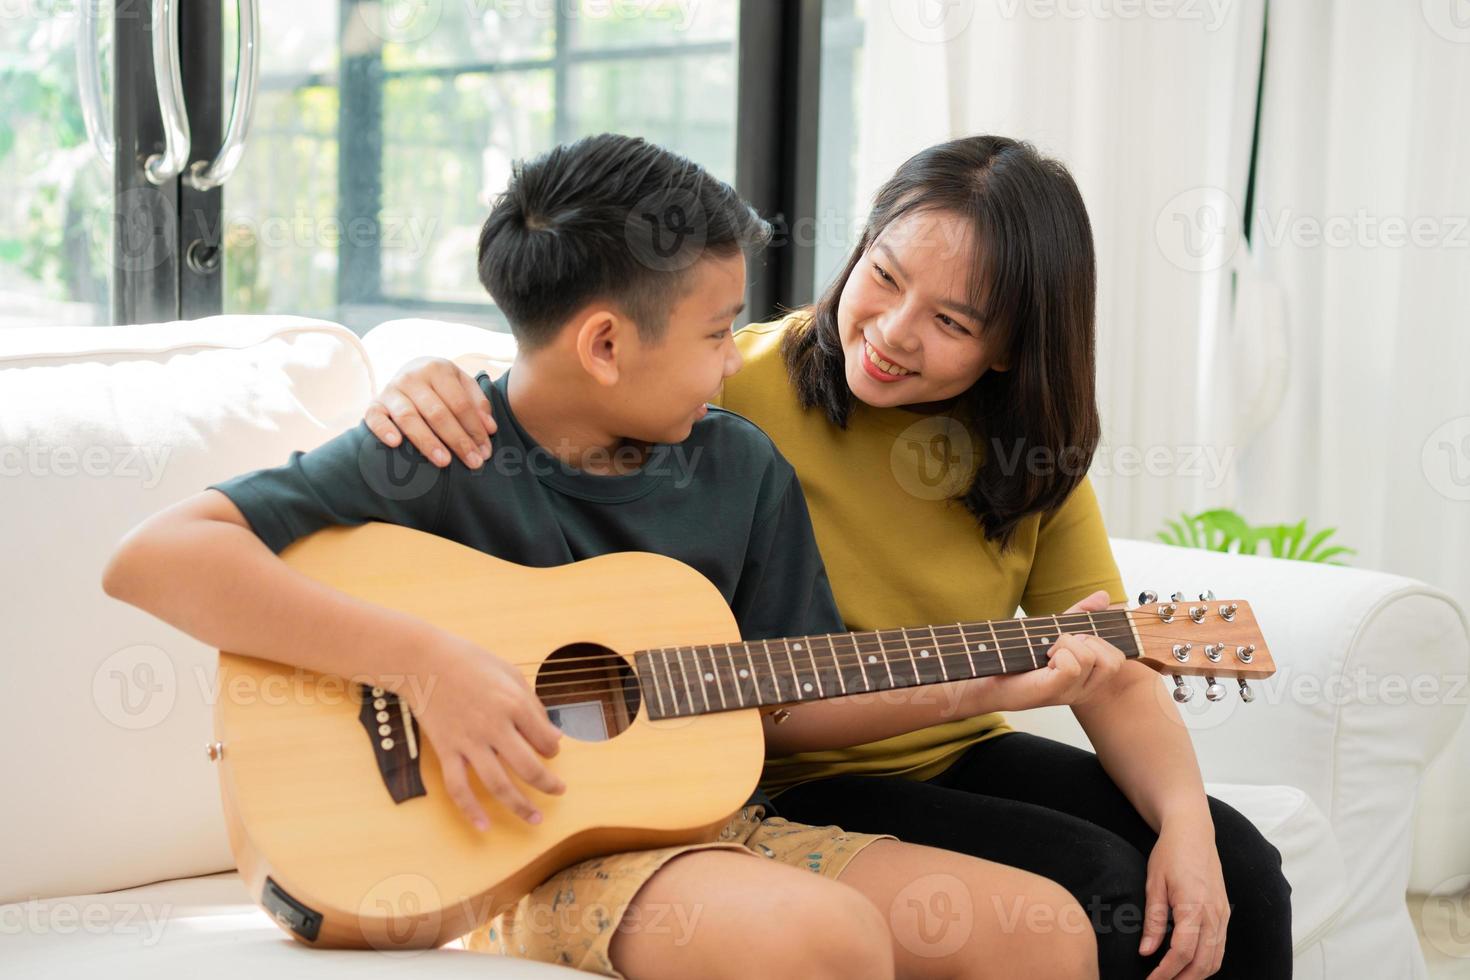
[[336, 809]]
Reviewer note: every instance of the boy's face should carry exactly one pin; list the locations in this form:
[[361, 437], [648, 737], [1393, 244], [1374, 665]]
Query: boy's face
[[663, 387]]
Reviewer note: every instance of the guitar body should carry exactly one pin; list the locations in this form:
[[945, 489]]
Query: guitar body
[[362, 846]]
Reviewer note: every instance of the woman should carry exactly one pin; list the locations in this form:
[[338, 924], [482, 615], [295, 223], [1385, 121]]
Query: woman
[[938, 405]]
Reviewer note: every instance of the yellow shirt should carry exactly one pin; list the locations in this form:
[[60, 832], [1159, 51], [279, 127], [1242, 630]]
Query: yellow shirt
[[899, 552]]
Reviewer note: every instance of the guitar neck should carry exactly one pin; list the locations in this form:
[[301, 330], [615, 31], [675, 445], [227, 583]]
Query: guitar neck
[[684, 681]]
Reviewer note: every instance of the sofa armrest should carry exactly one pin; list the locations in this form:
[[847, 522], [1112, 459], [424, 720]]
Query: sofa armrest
[[1370, 688]]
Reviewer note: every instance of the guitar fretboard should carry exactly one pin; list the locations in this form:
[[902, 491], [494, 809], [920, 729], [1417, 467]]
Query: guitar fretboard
[[682, 681]]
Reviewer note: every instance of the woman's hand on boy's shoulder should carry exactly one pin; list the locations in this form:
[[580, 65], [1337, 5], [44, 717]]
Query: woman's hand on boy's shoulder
[[439, 407]]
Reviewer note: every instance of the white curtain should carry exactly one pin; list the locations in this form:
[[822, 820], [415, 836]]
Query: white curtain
[[1361, 249], [1326, 377]]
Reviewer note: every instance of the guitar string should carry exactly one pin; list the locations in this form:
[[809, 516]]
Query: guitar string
[[1014, 659]]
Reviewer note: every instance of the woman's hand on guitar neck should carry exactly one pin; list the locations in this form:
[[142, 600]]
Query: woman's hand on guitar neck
[[481, 715], [1079, 666], [436, 405]]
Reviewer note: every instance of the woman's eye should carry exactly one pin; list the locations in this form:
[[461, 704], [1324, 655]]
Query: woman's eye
[[882, 272], [952, 323]]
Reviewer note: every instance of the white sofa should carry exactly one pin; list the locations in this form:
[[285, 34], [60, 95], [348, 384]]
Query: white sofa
[[113, 857]]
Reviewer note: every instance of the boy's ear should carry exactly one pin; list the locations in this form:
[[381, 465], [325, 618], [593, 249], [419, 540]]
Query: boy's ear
[[601, 342]]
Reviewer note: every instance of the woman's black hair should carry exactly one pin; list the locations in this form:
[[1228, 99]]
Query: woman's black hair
[[1034, 280]]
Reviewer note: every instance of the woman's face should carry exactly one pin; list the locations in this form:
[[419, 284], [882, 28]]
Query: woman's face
[[909, 334]]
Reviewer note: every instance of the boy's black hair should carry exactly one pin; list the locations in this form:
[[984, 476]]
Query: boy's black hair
[[611, 218]]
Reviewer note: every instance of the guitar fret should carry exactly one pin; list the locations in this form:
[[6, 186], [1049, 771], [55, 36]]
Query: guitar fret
[[795, 674], [918, 678], [1026, 634], [939, 652], [684, 674], [857, 652], [657, 689], [836, 663], [775, 678], [816, 671], [965, 642], [1000, 651], [715, 672], [755, 681], [735, 674]]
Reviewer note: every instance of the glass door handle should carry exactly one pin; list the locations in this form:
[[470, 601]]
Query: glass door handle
[[160, 168], [89, 84], [204, 176]]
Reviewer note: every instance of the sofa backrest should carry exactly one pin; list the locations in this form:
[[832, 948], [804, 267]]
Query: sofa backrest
[[108, 709]]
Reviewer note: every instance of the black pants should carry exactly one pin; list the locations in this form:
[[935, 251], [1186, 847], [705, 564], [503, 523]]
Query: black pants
[[1051, 809]]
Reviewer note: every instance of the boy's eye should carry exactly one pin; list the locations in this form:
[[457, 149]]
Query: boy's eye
[[720, 335]]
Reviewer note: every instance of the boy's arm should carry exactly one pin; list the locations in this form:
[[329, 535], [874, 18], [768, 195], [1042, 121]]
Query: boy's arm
[[202, 566]]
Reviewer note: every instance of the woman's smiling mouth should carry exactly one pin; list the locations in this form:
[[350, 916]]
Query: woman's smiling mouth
[[880, 368]]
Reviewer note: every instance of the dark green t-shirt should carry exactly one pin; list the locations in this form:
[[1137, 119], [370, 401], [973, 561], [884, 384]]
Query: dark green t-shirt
[[723, 501]]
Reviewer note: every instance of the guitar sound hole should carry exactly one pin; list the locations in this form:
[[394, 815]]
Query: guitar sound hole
[[589, 691]]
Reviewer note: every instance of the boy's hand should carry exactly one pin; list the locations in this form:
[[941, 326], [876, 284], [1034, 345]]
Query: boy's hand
[[434, 403], [481, 714]]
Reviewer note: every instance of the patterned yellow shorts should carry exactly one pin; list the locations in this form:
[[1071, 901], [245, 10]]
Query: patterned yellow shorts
[[570, 918]]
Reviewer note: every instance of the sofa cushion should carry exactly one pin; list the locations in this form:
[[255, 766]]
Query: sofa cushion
[[208, 927], [107, 785]]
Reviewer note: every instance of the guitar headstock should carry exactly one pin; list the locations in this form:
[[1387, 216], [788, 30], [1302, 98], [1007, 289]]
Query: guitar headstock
[[1210, 638]]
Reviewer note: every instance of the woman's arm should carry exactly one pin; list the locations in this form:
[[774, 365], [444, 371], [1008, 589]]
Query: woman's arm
[[1080, 668], [1141, 741]]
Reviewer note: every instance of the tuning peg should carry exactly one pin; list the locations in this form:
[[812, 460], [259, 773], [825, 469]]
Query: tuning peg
[[1246, 694], [1207, 596], [1214, 690], [1182, 692], [1177, 597], [1147, 598]]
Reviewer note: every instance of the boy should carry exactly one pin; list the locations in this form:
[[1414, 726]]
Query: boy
[[620, 268]]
